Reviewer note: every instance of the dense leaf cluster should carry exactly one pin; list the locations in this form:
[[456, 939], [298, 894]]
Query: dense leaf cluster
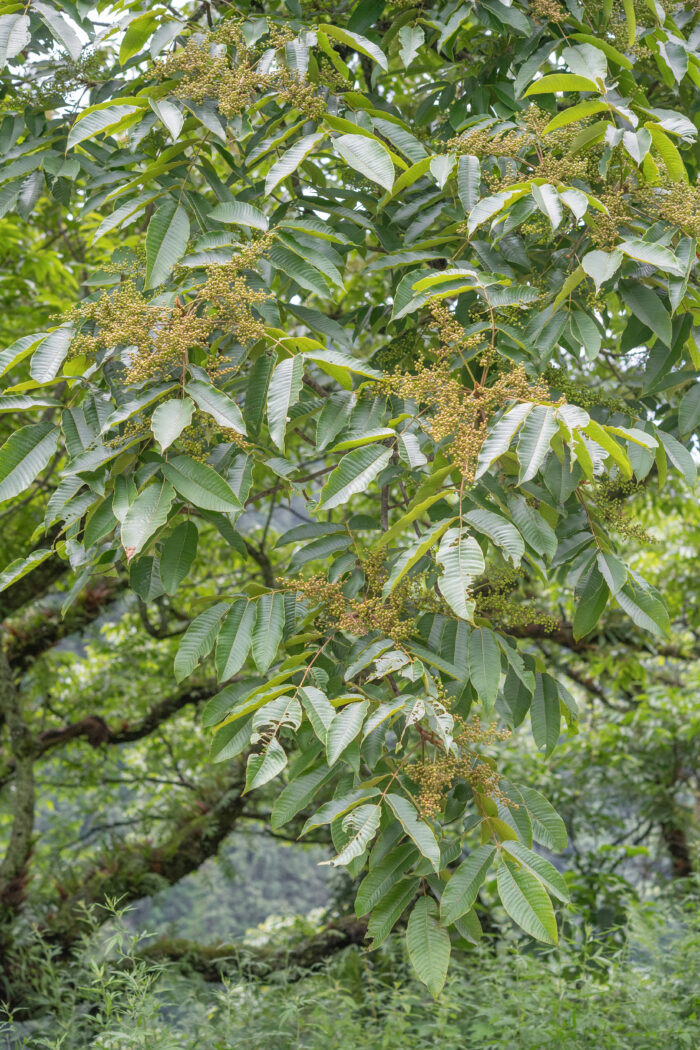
[[348, 252]]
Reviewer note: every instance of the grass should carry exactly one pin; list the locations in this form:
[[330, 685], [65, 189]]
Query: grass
[[645, 996]]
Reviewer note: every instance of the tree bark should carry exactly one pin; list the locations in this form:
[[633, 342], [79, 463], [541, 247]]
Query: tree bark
[[676, 843], [13, 868]]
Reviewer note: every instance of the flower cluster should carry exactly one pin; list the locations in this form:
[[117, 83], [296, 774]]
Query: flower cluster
[[357, 616], [220, 66], [157, 339], [493, 600], [449, 410], [437, 775], [609, 500]]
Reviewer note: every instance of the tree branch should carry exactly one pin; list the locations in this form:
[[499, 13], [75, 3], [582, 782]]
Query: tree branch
[[216, 962], [98, 733], [138, 869], [26, 644], [563, 634]]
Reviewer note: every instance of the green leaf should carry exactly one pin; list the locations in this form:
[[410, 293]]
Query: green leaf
[[235, 638], [179, 551], [539, 867], [148, 513], [319, 710], [367, 156], [679, 456], [601, 266], [500, 436], [256, 392], [241, 213], [532, 526], [601, 437], [352, 475], [297, 795], [462, 561], [144, 578], [653, 254], [401, 526], [613, 570], [547, 826], [263, 767], [18, 350], [61, 30], [50, 354], [462, 889], [230, 739], [592, 597], [411, 39], [137, 33], [574, 113], [364, 823], [283, 393], [484, 660], [547, 200], [14, 35], [357, 43], [646, 305], [441, 169], [428, 945], [689, 410], [389, 910], [644, 609], [290, 161], [668, 152], [468, 181], [416, 829], [534, 441], [166, 242], [24, 455], [410, 557], [198, 639], [381, 879], [527, 902], [169, 420], [345, 726], [170, 116], [502, 532], [545, 714], [217, 404], [94, 122], [267, 634], [338, 807], [469, 927], [21, 566], [200, 485], [560, 82], [301, 271]]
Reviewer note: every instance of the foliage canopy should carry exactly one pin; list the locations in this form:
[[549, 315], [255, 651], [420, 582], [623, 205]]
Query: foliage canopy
[[393, 306]]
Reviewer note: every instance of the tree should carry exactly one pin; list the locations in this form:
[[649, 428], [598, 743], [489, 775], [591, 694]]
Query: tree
[[398, 316]]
